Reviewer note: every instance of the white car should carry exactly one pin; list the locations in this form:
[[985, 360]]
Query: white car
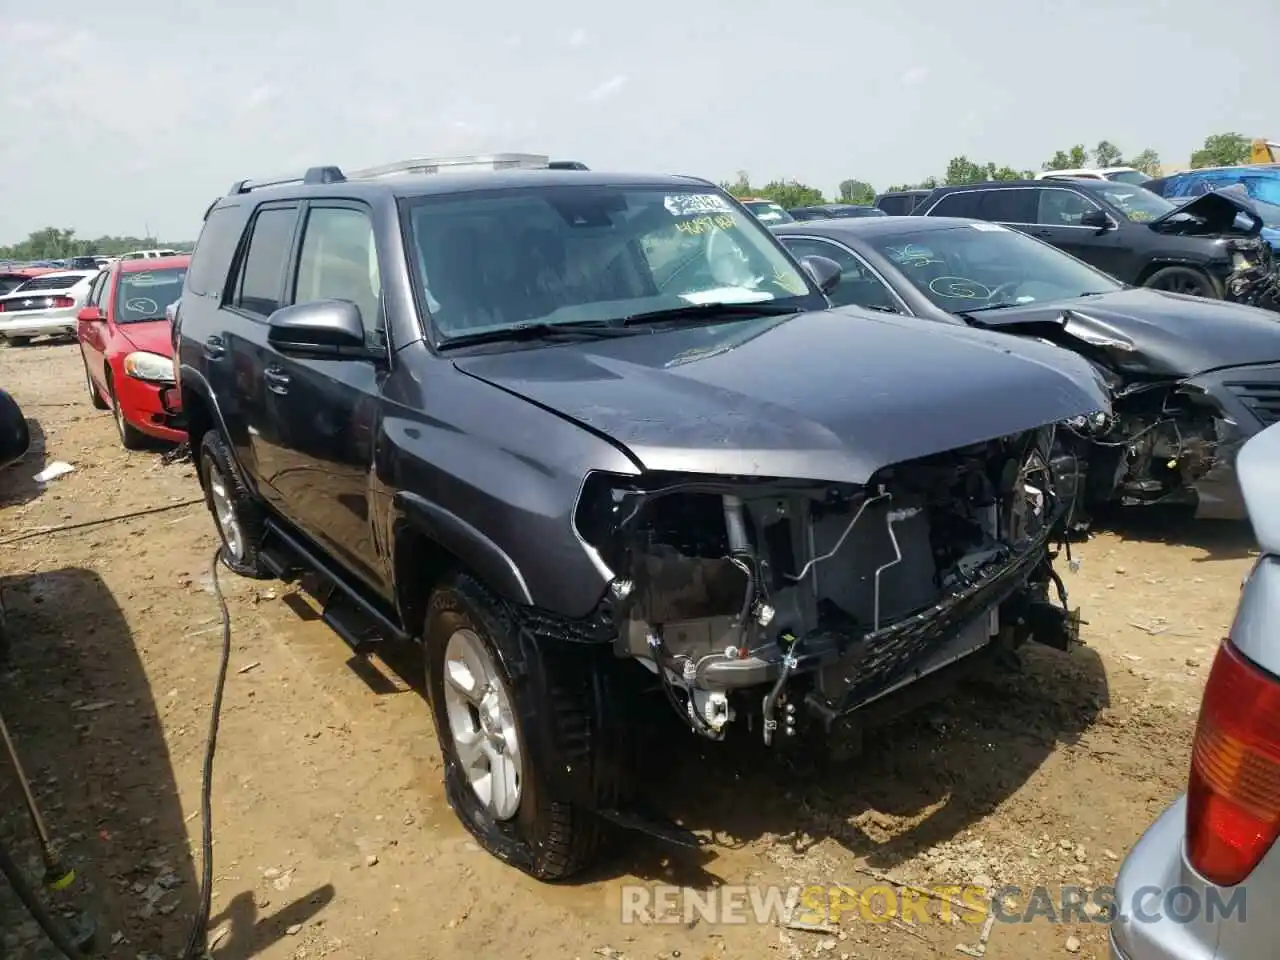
[[148, 254], [1117, 174], [47, 304]]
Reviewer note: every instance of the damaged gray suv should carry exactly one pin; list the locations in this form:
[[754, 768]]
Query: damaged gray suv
[[600, 445]]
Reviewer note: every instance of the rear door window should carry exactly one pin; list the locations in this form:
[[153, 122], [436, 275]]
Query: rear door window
[[1009, 206], [215, 249]]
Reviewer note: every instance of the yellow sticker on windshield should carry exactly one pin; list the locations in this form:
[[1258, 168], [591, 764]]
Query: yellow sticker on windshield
[[701, 225]]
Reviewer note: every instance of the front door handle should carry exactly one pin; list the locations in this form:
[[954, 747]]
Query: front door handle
[[215, 348], [277, 380]]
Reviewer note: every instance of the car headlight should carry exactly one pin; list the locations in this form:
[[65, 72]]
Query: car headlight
[[149, 366]]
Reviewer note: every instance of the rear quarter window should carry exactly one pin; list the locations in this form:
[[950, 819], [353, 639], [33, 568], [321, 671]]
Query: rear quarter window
[[211, 261]]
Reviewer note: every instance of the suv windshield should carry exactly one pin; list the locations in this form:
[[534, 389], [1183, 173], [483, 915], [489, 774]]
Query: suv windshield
[[982, 266], [1137, 203], [766, 211], [143, 295], [506, 258]]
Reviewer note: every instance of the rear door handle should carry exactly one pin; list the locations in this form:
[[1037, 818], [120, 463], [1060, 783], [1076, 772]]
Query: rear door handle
[[277, 380], [215, 348]]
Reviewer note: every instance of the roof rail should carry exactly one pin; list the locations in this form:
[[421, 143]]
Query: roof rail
[[418, 165]]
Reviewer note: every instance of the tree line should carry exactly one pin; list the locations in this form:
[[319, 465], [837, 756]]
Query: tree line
[[1219, 150], [52, 243]]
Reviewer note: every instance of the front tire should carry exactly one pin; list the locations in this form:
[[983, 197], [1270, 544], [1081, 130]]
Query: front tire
[[240, 519], [1185, 280], [512, 715], [95, 397], [131, 438]]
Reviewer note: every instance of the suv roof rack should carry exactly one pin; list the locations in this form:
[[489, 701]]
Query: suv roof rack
[[415, 165]]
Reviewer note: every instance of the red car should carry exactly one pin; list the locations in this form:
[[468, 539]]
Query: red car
[[125, 341]]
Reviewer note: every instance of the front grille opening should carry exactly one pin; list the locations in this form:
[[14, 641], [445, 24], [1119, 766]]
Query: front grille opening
[[1261, 398]]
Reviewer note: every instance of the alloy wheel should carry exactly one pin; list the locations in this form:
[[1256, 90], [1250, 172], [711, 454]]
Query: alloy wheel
[[224, 511], [482, 724]]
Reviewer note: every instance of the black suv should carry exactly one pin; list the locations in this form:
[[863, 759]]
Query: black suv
[[1140, 238], [597, 442]]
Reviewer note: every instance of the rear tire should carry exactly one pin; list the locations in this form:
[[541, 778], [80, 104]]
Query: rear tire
[[239, 518], [1185, 280], [541, 705]]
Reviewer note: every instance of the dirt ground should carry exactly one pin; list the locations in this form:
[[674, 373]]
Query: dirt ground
[[333, 837]]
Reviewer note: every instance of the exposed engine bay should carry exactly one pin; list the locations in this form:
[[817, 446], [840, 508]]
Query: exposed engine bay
[[782, 601], [1159, 441], [1255, 275]]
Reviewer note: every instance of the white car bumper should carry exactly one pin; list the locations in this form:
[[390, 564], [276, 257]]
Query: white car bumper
[[34, 323]]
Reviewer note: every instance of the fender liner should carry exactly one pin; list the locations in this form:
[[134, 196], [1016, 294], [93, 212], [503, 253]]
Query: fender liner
[[482, 556]]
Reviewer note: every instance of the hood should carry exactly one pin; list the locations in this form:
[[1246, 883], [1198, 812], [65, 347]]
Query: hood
[[1150, 332], [1212, 213], [832, 395], [151, 336]]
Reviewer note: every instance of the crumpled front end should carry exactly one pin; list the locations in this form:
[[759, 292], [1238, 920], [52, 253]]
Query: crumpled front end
[[784, 601], [1255, 275]]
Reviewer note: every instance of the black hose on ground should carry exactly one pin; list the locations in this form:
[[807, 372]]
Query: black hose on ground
[[197, 941], [37, 909]]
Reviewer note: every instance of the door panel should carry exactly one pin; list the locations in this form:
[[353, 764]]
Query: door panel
[[238, 354], [324, 414]]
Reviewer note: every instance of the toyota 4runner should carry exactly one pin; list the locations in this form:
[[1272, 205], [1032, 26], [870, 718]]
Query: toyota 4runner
[[598, 442]]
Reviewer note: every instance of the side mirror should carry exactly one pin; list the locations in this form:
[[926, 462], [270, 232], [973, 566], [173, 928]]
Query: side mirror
[[321, 325], [1096, 219], [15, 435], [823, 271], [90, 315]]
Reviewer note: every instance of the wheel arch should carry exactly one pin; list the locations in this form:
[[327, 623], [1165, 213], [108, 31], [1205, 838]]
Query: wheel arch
[[430, 543], [1160, 263]]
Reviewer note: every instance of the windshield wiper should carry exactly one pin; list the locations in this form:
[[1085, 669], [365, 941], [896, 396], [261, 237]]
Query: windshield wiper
[[570, 330], [699, 311]]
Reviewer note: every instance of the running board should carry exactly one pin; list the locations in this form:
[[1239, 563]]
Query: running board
[[659, 828], [349, 614]]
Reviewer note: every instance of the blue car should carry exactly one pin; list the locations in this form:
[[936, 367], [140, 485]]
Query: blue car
[[1260, 182]]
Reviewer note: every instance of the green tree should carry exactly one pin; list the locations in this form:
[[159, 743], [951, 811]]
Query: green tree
[[928, 183], [1222, 150], [1107, 154], [1074, 159], [963, 170], [790, 193], [55, 243], [857, 191], [1148, 161]]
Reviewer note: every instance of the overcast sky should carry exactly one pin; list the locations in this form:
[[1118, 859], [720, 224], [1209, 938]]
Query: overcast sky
[[120, 116]]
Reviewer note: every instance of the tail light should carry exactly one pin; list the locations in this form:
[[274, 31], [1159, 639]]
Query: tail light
[[52, 303], [1233, 799]]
